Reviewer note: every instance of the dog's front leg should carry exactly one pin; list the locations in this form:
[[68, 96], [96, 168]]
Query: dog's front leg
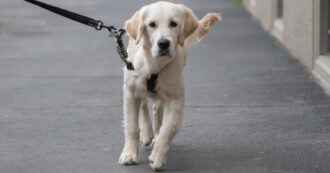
[[129, 154], [146, 134], [158, 113], [170, 127]]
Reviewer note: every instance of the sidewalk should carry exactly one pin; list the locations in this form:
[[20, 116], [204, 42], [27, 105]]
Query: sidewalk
[[250, 107]]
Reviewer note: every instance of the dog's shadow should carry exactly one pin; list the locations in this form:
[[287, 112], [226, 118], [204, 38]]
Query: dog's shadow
[[190, 158], [220, 158]]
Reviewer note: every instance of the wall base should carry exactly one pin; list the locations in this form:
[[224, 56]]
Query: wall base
[[321, 72]]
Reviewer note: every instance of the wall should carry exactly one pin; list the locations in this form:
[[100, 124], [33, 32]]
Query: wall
[[262, 10], [298, 30], [298, 36]]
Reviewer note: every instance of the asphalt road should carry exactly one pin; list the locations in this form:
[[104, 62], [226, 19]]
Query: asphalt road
[[250, 107]]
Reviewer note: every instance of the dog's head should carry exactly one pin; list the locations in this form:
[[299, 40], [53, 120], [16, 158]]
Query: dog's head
[[162, 26]]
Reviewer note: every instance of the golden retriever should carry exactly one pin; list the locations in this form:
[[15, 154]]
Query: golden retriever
[[159, 34]]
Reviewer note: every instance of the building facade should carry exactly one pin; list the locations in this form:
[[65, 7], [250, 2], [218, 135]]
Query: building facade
[[303, 27]]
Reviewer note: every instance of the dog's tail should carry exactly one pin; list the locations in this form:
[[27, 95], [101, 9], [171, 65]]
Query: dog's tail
[[203, 27]]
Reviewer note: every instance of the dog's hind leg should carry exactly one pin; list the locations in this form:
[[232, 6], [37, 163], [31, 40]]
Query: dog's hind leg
[[146, 134]]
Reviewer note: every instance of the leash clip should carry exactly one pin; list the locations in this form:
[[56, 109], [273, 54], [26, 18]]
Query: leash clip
[[113, 33], [116, 34]]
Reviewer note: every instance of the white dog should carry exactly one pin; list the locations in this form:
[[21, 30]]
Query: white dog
[[159, 34]]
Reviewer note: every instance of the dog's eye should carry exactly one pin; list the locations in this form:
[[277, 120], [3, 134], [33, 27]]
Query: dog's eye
[[152, 25], [173, 24]]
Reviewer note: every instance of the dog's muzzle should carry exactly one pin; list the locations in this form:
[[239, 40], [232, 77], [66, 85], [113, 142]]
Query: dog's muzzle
[[163, 45]]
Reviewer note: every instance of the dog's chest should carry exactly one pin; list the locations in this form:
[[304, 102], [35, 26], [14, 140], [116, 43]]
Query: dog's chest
[[138, 84], [165, 87]]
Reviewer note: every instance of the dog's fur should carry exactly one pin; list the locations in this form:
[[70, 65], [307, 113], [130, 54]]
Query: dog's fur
[[177, 24]]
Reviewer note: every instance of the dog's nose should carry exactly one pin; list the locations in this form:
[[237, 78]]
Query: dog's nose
[[163, 44]]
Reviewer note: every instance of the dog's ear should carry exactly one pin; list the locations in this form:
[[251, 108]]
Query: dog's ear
[[188, 26], [134, 26], [207, 21]]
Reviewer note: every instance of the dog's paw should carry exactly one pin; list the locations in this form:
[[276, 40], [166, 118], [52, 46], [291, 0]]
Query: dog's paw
[[128, 158], [146, 140], [146, 136], [156, 164]]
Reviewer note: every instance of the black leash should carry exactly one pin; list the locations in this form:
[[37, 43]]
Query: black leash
[[97, 24], [115, 33]]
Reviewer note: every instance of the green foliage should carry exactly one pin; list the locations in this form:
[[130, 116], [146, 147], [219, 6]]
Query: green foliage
[[239, 2]]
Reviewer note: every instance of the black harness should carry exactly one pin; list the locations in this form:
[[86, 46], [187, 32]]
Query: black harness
[[115, 33]]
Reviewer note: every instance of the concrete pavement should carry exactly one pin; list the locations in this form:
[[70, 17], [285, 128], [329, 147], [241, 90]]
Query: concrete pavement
[[250, 107]]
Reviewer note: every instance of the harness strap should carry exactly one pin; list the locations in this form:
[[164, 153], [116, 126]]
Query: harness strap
[[121, 48], [152, 82]]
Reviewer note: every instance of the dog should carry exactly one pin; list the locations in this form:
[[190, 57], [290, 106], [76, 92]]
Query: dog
[[159, 34]]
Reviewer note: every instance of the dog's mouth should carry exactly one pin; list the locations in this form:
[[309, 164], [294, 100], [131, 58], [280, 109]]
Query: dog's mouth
[[164, 53]]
